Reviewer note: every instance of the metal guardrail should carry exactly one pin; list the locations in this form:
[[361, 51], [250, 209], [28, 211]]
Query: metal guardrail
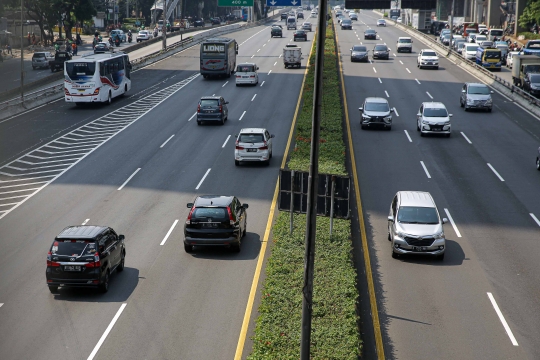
[[443, 48]]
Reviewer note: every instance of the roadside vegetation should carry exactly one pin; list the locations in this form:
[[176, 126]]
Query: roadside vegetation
[[335, 332]]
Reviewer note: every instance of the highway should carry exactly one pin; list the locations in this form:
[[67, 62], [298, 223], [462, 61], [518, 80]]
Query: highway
[[482, 301], [136, 174]]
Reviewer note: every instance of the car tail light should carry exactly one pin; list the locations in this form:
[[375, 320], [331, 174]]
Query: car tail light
[[252, 76], [199, 108], [238, 76], [66, 91], [238, 147], [50, 262], [231, 219], [188, 221], [264, 147], [96, 92], [96, 263], [220, 108]]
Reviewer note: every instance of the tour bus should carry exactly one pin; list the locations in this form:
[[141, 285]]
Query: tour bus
[[489, 58], [97, 78], [218, 57]]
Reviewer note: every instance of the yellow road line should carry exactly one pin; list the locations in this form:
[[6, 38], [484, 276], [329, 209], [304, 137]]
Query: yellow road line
[[367, 262], [258, 268]]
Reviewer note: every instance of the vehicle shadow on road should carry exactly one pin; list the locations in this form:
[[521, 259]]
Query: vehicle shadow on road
[[121, 286], [250, 249], [454, 255]]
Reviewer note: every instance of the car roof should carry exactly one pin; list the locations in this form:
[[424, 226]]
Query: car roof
[[404, 37], [246, 63], [252, 130], [428, 50], [433, 105], [376, 100], [476, 84], [415, 198], [81, 232], [213, 200], [210, 97], [369, 30]]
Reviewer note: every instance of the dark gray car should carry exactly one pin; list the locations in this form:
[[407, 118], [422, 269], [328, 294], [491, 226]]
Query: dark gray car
[[476, 96], [376, 112], [380, 51], [212, 108], [359, 53]]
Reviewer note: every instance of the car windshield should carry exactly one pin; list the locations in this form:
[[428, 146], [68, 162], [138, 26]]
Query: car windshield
[[39, 55], [535, 78], [417, 215], [446, 31], [492, 55], [75, 70], [209, 102], [73, 247], [300, 32], [480, 37], [218, 213], [359, 48], [435, 112], [479, 90], [460, 44], [380, 47], [533, 45], [429, 53], [404, 41], [251, 138], [348, 22], [245, 68], [143, 32], [377, 106], [496, 33], [472, 48], [471, 31]]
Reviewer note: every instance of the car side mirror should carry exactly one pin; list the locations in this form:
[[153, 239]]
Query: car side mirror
[[361, 108], [450, 115], [419, 114], [444, 220], [272, 136], [463, 91], [226, 102], [189, 205], [390, 218], [391, 109], [245, 206], [491, 92], [121, 237], [257, 68]]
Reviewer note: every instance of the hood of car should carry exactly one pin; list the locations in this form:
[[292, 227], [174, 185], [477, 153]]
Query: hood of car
[[435, 120], [419, 229], [359, 53], [429, 58], [478, 97], [376, 113]]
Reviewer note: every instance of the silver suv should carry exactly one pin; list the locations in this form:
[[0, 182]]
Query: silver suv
[[414, 225], [433, 118], [476, 96], [376, 112]]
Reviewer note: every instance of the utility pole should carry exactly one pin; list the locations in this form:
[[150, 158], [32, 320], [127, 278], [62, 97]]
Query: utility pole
[[451, 26], [311, 214], [164, 27], [22, 54]]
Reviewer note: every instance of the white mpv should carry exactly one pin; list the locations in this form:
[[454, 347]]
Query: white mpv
[[247, 74]]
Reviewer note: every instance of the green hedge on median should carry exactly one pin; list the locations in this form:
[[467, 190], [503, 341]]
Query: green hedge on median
[[335, 333]]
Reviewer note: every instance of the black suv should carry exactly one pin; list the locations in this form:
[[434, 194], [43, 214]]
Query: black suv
[[276, 30], [284, 16], [215, 221], [84, 256]]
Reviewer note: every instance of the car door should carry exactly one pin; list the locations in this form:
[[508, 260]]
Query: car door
[[391, 224], [115, 248], [106, 258], [240, 215], [224, 107], [268, 140], [419, 117]]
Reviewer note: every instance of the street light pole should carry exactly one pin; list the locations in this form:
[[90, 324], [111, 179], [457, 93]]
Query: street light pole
[[22, 54], [164, 26], [451, 26]]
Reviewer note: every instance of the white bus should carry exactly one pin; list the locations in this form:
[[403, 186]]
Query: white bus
[[97, 78]]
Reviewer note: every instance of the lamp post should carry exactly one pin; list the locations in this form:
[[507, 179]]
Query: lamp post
[[164, 26], [22, 54]]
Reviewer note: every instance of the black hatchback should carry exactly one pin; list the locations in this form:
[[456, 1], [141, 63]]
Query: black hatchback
[[215, 221], [84, 256], [370, 34]]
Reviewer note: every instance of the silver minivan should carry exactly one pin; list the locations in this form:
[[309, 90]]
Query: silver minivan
[[291, 23], [414, 225]]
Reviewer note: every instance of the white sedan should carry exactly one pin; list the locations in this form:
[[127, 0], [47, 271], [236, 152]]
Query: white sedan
[[428, 58], [144, 35]]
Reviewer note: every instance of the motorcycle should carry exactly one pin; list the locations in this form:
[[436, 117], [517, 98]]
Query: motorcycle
[[117, 41], [129, 38]]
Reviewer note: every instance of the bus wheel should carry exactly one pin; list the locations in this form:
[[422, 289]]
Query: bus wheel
[[125, 90], [204, 76], [109, 99]]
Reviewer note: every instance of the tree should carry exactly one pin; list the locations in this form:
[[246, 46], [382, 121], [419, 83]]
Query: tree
[[531, 14], [45, 13], [4, 4]]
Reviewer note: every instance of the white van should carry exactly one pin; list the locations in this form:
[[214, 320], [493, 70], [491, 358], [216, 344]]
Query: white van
[[246, 73], [291, 23], [469, 51], [495, 33]]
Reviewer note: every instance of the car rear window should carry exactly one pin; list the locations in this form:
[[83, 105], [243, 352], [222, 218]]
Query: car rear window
[[39, 55], [359, 48], [73, 247], [209, 102], [210, 212], [429, 53], [405, 41], [74, 70], [245, 68], [417, 215], [251, 138]]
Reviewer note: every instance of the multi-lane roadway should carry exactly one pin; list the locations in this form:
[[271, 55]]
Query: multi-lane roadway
[[482, 301], [133, 166]]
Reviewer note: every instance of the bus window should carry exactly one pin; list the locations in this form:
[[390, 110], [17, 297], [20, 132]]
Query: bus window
[[77, 70]]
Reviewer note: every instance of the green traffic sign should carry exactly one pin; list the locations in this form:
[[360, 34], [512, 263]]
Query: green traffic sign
[[235, 3]]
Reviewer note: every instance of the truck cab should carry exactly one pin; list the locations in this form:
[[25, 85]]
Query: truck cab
[[489, 58], [60, 57]]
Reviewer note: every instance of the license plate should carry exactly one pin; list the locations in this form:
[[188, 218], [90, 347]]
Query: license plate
[[251, 150], [80, 90], [209, 111], [210, 225], [245, 77], [72, 268]]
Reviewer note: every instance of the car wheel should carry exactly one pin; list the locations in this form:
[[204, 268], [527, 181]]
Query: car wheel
[[198, 122], [437, 68], [235, 248], [121, 266], [245, 229], [109, 99], [448, 135], [33, 68], [389, 127], [465, 107], [440, 257], [422, 134], [53, 289], [363, 127], [489, 110], [104, 286], [417, 126], [52, 70], [236, 84], [188, 248], [394, 255], [236, 163]]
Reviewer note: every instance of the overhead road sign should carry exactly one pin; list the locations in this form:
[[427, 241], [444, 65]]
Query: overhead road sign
[[235, 3], [419, 4], [283, 2], [367, 4]]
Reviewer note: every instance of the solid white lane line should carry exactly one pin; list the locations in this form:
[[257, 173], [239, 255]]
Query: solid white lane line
[[535, 219], [386, 92], [466, 138], [425, 169], [225, 143], [262, 83], [452, 222], [244, 113], [395, 111], [204, 177], [495, 171], [401, 62], [169, 232], [253, 98], [129, 178], [225, 83], [409, 71], [269, 72], [166, 141], [380, 80], [85, 222], [503, 321], [428, 94], [275, 63], [375, 70], [107, 331], [408, 136], [418, 82], [192, 116]]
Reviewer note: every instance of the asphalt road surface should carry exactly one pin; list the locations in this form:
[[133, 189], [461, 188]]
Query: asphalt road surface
[[483, 177], [167, 303]]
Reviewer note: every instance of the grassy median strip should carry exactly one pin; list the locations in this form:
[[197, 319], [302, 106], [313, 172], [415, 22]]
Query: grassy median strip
[[335, 332]]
